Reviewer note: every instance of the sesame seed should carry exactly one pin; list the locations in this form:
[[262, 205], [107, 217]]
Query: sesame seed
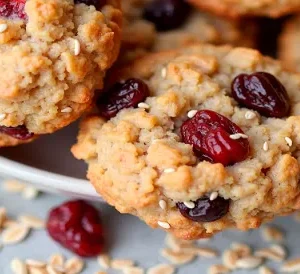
[[169, 170], [164, 224], [214, 195], [76, 47], [3, 27], [163, 204], [190, 205], [67, 110], [192, 113], [250, 115], [266, 146], [143, 105], [164, 73], [288, 141], [2, 116], [238, 136]]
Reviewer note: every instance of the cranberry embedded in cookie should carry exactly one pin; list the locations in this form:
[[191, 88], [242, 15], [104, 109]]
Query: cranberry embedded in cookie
[[19, 132], [205, 209], [12, 9], [262, 92], [122, 95], [77, 226], [166, 14], [215, 138]]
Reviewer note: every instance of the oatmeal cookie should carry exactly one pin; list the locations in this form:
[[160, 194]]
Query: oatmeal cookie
[[144, 32], [239, 8], [197, 140], [53, 54], [289, 41]]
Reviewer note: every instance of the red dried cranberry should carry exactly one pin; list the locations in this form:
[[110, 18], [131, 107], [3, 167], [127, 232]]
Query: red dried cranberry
[[95, 3], [12, 8], [122, 95], [209, 133], [19, 132], [77, 226], [262, 92], [205, 210], [166, 14]]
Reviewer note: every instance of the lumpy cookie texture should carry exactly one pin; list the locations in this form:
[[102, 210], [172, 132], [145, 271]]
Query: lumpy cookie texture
[[139, 159], [289, 41], [53, 59], [141, 35], [239, 8]]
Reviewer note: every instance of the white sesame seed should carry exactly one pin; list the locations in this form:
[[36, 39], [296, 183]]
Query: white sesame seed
[[169, 170], [163, 204], [2, 116], [190, 205], [288, 141], [250, 115], [238, 136], [76, 47], [164, 224], [214, 195], [67, 110], [3, 27], [143, 105], [164, 73], [266, 146], [192, 113]]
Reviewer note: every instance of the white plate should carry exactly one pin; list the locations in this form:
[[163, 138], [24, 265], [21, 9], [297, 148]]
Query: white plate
[[48, 164]]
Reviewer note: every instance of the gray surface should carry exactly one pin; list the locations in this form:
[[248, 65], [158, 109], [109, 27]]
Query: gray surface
[[127, 237]]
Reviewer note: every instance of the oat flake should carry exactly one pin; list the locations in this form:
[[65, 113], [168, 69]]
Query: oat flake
[[133, 270], [74, 265], [177, 257], [161, 269], [265, 270], [218, 269], [14, 234], [291, 265], [120, 263], [56, 260], [104, 261], [18, 267], [32, 221]]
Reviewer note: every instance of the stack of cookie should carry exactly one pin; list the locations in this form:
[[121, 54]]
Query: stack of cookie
[[194, 131]]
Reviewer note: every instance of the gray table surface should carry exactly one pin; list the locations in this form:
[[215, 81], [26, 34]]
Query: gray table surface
[[127, 237]]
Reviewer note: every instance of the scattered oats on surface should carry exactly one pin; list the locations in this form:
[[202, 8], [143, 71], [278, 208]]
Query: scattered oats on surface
[[2, 216], [161, 269], [249, 262], [14, 234], [291, 265], [3, 27], [177, 244], [32, 221], [104, 261], [162, 204], [230, 258], [121, 263], [143, 105], [35, 263], [8, 223], [190, 205], [66, 110], [250, 115], [18, 267], [74, 265], [266, 146], [241, 249], [30, 193], [201, 251], [265, 270], [192, 113], [100, 272], [133, 270], [177, 257], [218, 269], [57, 259], [279, 249], [36, 270], [51, 270], [272, 234], [288, 141], [164, 224], [274, 253], [13, 186]]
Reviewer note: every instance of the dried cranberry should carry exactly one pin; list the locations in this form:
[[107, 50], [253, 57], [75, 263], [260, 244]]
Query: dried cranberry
[[210, 134], [77, 226], [12, 8], [19, 132], [262, 92], [166, 14], [95, 3], [205, 210], [122, 95]]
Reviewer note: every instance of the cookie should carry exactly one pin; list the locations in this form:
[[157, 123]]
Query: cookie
[[144, 32], [187, 141], [53, 54], [240, 8], [289, 41]]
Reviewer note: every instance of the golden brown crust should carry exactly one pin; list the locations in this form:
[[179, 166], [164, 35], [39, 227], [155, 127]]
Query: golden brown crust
[[240, 8], [128, 155]]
